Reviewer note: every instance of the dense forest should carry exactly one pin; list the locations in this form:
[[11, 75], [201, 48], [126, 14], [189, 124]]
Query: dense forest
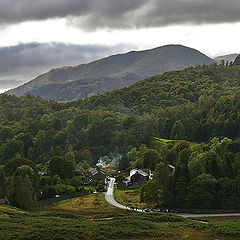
[[61, 140]]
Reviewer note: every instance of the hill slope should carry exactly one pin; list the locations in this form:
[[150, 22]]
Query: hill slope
[[71, 83], [227, 58], [237, 60], [170, 89]]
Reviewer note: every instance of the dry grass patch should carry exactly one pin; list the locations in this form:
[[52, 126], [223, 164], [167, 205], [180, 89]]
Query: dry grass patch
[[7, 209], [129, 198], [219, 219]]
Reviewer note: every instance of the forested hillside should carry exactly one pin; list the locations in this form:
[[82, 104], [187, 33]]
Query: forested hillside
[[195, 104], [204, 100]]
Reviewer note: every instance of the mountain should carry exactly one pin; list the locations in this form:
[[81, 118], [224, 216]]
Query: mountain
[[227, 58], [237, 60], [117, 71]]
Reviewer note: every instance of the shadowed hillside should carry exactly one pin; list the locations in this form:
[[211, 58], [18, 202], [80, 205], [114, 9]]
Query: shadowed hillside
[[72, 83]]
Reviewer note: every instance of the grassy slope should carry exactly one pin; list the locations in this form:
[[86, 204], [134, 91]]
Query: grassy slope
[[81, 218]]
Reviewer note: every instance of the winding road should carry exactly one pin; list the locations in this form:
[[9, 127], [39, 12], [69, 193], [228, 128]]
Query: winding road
[[109, 196]]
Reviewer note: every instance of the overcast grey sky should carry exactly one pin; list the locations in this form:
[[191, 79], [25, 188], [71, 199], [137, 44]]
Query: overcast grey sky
[[36, 36]]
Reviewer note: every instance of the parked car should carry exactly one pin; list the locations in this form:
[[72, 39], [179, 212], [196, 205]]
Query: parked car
[[165, 210]]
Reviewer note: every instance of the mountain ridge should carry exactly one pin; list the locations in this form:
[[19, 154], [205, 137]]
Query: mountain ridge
[[113, 72]]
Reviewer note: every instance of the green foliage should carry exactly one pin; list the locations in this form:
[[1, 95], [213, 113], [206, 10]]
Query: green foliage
[[196, 167], [25, 170], [162, 175], [20, 192], [123, 163], [231, 227], [150, 159], [202, 194], [178, 130], [12, 165], [64, 189], [2, 182], [151, 192], [60, 166], [196, 104], [171, 157]]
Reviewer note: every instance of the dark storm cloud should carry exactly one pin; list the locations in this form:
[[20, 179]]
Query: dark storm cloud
[[92, 14], [23, 62]]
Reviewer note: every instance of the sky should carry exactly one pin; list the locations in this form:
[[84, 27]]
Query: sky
[[36, 36]]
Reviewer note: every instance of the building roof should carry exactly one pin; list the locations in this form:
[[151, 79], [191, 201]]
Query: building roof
[[171, 166], [143, 172], [95, 171]]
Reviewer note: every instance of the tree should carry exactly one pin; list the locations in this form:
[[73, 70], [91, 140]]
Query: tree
[[202, 192], [151, 193], [39, 144], [25, 170], [69, 156], [81, 121], [100, 134], [184, 156], [195, 167], [56, 124], [236, 165], [225, 193], [26, 138], [12, 165], [180, 190], [145, 129], [220, 146], [212, 163], [132, 154], [161, 175], [10, 149], [2, 182], [178, 131], [60, 166], [123, 162], [171, 157], [20, 192], [5, 132], [60, 139], [180, 145], [150, 158]]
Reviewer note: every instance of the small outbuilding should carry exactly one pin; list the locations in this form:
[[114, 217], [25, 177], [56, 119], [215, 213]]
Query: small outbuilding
[[96, 173]]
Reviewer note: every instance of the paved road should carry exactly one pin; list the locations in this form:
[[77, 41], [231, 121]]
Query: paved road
[[209, 215], [109, 196]]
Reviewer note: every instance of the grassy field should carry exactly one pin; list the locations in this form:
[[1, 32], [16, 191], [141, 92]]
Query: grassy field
[[90, 217], [169, 140], [129, 198], [88, 205], [164, 140]]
